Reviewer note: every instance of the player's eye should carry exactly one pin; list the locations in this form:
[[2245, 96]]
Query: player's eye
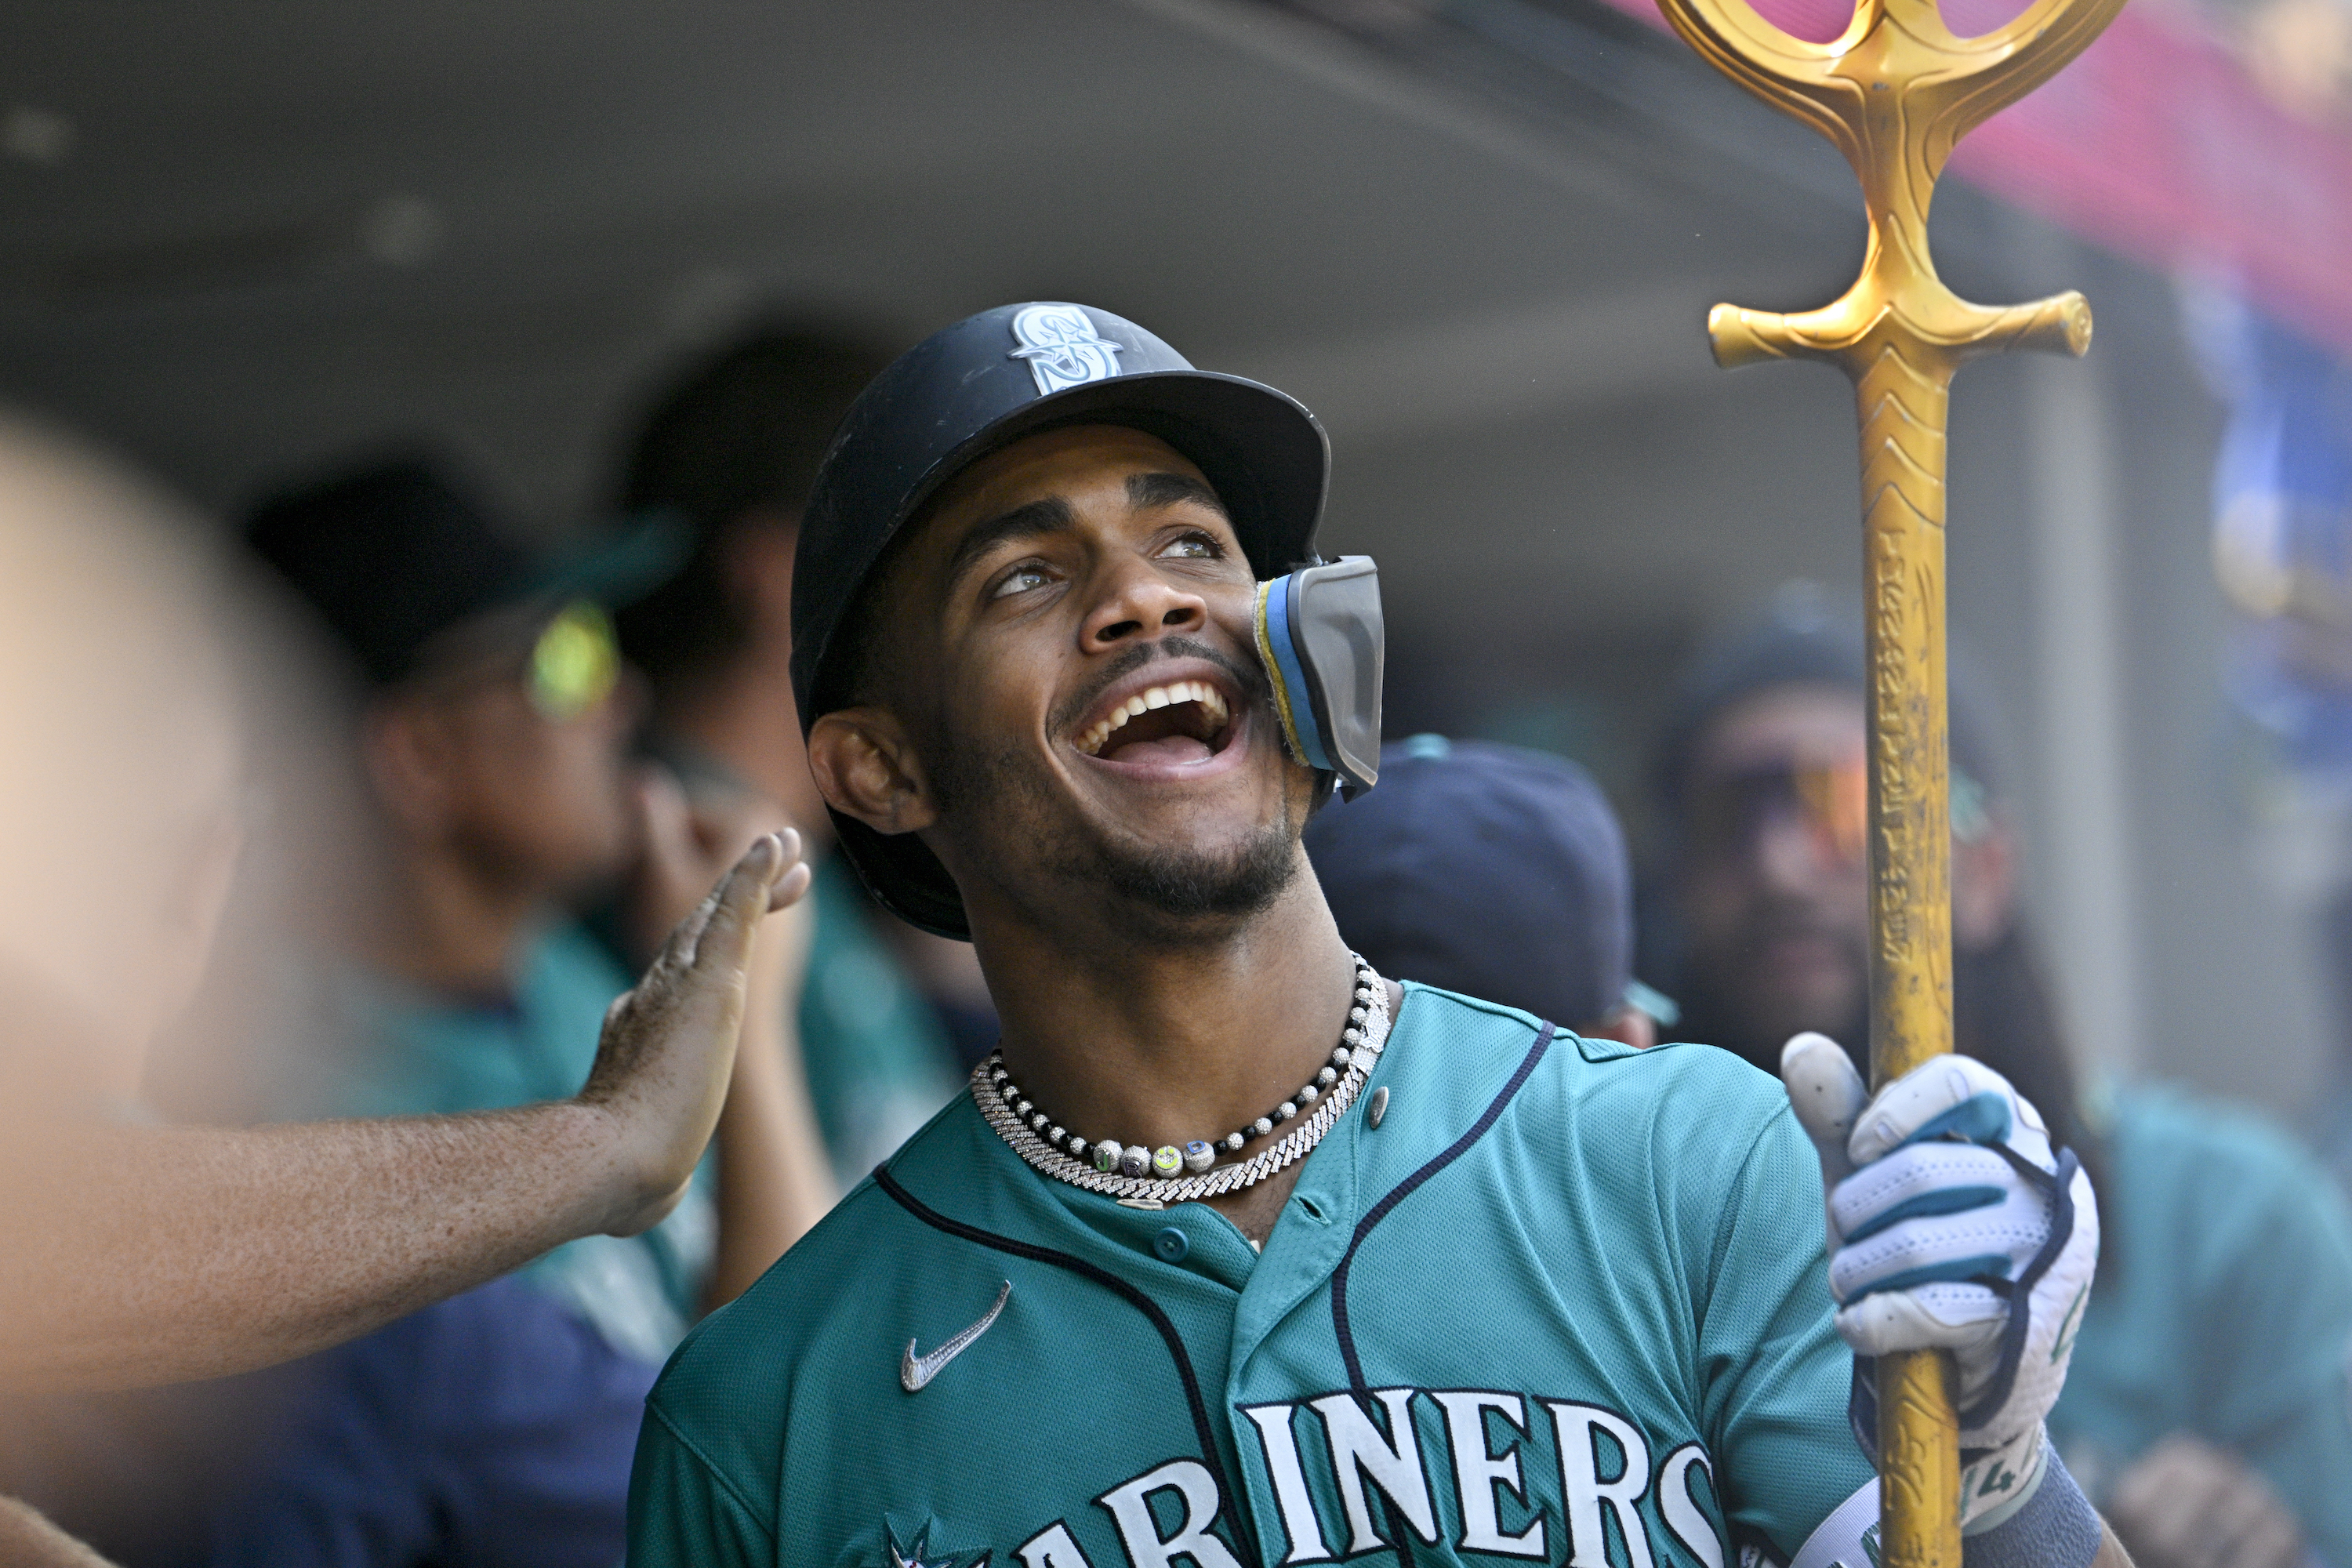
[[1194, 546], [1029, 574]]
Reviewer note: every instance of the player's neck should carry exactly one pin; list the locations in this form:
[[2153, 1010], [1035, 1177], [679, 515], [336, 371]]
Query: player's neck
[[450, 923], [1159, 1043]]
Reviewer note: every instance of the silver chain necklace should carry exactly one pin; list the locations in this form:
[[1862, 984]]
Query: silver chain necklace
[[1365, 1035]]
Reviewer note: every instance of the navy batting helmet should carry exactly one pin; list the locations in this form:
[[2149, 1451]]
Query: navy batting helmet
[[979, 385]]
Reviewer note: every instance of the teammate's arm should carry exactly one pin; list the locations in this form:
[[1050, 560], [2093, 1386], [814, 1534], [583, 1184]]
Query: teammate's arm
[[774, 1183], [141, 1256]]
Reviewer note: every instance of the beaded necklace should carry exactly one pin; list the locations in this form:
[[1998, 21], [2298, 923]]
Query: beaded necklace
[[1175, 1175]]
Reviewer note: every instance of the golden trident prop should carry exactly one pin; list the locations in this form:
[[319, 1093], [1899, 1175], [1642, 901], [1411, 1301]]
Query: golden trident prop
[[1895, 92]]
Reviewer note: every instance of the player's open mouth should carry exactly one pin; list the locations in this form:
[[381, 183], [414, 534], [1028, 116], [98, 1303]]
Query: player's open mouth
[[1170, 724]]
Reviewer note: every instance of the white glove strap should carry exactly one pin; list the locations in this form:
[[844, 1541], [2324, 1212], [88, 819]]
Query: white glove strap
[[1996, 1483]]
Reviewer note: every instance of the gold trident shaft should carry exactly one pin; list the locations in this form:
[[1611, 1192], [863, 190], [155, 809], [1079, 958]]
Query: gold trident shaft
[[1895, 92]]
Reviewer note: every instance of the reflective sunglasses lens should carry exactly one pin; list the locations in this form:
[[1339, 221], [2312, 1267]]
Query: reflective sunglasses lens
[[574, 665], [1829, 804], [1837, 802]]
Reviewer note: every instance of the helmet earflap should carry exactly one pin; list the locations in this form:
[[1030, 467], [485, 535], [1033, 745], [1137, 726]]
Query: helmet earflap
[[1319, 636]]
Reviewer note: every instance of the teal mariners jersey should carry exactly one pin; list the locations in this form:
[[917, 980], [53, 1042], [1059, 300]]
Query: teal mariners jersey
[[1565, 1303]]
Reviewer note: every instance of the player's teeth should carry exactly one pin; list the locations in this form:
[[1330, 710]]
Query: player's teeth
[[1211, 702]]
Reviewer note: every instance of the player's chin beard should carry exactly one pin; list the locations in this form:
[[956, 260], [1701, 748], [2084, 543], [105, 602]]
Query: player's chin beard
[[1165, 892], [1187, 889]]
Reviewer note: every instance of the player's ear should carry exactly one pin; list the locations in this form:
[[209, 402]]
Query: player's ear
[[405, 753], [866, 768]]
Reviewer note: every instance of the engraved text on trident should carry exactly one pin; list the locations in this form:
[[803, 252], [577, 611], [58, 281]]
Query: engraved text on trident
[[1895, 92]]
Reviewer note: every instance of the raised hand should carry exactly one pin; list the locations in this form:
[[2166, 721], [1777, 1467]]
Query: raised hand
[[667, 1052], [687, 840]]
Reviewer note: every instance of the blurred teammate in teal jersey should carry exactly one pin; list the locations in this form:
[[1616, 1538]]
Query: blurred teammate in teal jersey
[[147, 701], [490, 729], [487, 728], [1240, 1253], [2207, 1411]]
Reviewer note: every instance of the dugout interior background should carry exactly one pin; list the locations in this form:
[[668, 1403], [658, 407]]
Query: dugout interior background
[[245, 235]]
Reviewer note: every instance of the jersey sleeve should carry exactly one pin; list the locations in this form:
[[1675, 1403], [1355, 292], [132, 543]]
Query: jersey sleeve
[[1775, 1376], [682, 1514]]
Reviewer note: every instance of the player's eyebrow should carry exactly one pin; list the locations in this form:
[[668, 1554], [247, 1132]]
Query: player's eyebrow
[[1148, 492], [1050, 514]]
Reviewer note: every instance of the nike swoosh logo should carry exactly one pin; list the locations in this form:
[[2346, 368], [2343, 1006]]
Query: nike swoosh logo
[[916, 1372]]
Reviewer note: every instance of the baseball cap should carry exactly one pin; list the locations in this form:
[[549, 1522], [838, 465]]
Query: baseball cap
[[980, 385], [392, 554], [737, 435], [1488, 870]]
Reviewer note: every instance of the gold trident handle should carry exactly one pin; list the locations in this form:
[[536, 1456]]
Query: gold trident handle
[[1895, 92]]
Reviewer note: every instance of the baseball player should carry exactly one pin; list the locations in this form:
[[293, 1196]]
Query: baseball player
[[1238, 1252]]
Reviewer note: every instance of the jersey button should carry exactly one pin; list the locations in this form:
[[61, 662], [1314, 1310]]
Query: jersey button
[[1171, 1244]]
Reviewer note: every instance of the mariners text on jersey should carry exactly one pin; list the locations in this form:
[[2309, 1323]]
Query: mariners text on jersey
[[1564, 1304]]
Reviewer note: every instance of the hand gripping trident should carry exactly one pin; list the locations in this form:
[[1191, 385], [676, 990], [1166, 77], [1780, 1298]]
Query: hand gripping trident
[[1895, 92]]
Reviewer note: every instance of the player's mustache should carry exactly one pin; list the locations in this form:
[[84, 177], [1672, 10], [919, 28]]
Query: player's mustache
[[1248, 678]]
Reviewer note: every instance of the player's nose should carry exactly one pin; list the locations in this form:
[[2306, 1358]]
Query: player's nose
[[1134, 601]]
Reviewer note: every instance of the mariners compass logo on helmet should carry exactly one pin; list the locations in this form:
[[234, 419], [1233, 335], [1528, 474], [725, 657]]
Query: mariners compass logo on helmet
[[1063, 348]]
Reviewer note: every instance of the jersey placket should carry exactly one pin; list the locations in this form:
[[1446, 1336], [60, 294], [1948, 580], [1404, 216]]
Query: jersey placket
[[1288, 1346], [1286, 1286]]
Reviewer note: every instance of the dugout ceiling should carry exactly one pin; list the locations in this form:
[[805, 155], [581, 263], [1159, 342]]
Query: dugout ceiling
[[244, 231]]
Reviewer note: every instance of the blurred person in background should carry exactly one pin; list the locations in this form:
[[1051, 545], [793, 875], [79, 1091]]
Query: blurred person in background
[[493, 739], [2207, 1408], [491, 736], [1493, 872], [730, 449], [140, 1254]]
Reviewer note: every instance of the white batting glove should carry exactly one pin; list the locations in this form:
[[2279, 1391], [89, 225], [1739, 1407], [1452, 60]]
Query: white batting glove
[[1954, 1225]]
